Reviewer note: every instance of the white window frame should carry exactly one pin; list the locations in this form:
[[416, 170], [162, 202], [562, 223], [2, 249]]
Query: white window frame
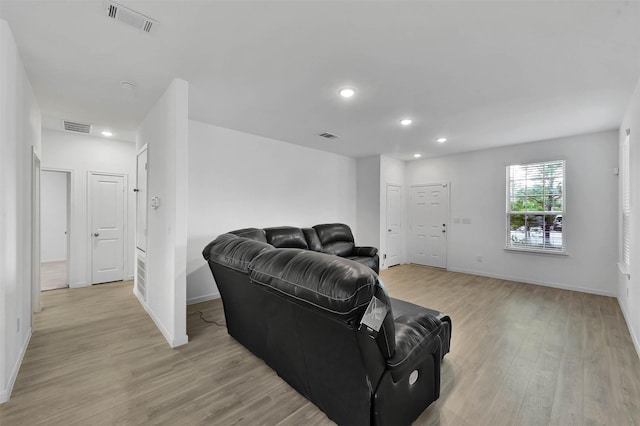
[[552, 250]]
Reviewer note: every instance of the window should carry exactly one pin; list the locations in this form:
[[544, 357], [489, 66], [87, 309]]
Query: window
[[535, 207], [626, 206]]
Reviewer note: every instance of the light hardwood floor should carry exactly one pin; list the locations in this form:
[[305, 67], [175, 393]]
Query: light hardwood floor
[[520, 355]]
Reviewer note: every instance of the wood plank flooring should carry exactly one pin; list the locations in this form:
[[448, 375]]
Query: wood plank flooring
[[520, 355]]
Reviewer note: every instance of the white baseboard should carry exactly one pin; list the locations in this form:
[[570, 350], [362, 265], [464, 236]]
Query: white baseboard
[[634, 335], [5, 394], [80, 284], [542, 283], [204, 298], [173, 341]]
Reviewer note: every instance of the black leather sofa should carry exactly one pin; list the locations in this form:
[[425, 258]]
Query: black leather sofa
[[301, 310], [330, 238]]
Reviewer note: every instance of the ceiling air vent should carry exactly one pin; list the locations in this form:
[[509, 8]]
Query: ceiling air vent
[[70, 126], [130, 17], [328, 135]]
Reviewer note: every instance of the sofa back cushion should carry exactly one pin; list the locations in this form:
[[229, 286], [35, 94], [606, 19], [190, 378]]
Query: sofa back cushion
[[313, 241], [234, 252], [329, 284], [251, 233], [336, 238], [286, 237]]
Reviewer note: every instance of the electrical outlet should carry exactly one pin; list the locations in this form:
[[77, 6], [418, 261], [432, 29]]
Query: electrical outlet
[[384, 256], [479, 259]]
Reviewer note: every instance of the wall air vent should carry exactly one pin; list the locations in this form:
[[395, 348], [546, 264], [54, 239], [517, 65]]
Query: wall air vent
[[127, 16], [71, 126], [327, 135]]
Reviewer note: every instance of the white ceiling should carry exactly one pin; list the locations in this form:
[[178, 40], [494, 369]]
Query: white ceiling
[[483, 74]]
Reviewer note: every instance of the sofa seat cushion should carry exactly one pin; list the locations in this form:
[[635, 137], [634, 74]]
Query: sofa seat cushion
[[330, 284]]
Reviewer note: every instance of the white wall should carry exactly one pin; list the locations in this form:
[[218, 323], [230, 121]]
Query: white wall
[[392, 171], [478, 192], [238, 180], [367, 230], [81, 154], [19, 134], [53, 216], [165, 130], [628, 290]]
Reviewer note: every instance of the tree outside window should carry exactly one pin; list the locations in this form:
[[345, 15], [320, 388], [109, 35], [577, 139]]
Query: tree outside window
[[535, 206]]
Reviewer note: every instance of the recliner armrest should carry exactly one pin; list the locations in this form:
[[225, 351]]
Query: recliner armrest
[[365, 251], [417, 336]]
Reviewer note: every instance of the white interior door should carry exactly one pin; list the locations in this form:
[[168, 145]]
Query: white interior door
[[429, 219], [107, 228], [141, 201], [394, 224]]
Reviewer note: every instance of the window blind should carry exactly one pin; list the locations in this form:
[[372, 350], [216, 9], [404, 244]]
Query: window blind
[[535, 206]]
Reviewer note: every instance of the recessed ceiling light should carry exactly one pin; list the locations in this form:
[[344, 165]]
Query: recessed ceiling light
[[347, 92], [441, 140], [106, 133], [417, 155], [406, 121]]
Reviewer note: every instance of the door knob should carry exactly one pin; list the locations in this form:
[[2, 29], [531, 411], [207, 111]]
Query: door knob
[[443, 231], [96, 234], [389, 230]]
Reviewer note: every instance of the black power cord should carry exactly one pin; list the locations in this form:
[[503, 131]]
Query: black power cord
[[209, 321]]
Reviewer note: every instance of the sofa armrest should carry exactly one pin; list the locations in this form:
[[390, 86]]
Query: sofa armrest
[[412, 378], [417, 337], [365, 251]]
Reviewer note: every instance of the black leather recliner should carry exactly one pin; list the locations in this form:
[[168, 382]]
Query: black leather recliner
[[301, 311]]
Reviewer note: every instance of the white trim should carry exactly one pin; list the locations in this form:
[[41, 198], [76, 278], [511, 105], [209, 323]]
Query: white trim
[[205, 298], [548, 252], [6, 393], [634, 335], [174, 342], [624, 269], [80, 284], [535, 282]]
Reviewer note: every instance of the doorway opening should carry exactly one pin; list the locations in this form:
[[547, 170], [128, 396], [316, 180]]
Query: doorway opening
[[55, 219]]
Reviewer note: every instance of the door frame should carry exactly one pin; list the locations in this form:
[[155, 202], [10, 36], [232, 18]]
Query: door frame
[[36, 164], [387, 223], [446, 237], [71, 217], [125, 226], [144, 148]]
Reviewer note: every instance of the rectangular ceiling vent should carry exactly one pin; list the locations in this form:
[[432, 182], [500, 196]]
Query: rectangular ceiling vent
[[127, 16], [71, 126], [327, 135]]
